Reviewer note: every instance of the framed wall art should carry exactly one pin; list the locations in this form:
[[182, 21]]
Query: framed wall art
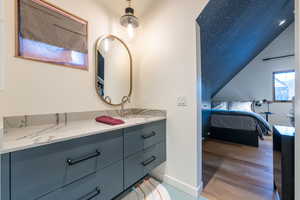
[[49, 34]]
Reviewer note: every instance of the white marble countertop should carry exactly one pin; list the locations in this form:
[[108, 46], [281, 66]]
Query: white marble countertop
[[16, 139]]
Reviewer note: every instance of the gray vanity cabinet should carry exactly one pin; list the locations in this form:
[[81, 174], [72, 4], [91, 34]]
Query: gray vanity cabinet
[[97, 167]]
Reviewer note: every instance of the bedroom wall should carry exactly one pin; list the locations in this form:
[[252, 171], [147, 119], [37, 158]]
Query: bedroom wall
[[255, 80]]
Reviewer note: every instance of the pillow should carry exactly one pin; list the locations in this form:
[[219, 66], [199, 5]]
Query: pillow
[[221, 105], [240, 106]]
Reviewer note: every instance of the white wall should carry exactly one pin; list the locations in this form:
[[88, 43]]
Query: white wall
[[2, 44], [1, 72], [167, 69], [255, 80], [38, 88], [2, 50]]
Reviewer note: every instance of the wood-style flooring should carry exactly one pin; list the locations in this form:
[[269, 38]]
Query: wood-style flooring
[[238, 172]]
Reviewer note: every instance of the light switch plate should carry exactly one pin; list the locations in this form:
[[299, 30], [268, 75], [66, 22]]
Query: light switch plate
[[181, 101]]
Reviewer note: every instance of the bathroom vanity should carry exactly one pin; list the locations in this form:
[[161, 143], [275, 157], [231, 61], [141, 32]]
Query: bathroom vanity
[[70, 156], [94, 162]]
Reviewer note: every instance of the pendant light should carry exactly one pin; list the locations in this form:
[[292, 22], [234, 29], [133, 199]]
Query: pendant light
[[129, 20]]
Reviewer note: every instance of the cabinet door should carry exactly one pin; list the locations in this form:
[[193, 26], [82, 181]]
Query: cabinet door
[[103, 185], [36, 172]]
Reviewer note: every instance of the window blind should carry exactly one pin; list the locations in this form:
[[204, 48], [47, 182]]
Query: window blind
[[42, 22]]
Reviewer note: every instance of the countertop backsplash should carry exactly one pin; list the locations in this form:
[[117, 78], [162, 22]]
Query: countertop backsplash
[[61, 118]]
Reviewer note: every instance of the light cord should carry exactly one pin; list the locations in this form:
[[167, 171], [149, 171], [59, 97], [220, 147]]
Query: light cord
[[129, 3]]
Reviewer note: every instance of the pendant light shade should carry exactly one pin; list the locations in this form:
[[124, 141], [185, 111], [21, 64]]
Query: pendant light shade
[[129, 20]]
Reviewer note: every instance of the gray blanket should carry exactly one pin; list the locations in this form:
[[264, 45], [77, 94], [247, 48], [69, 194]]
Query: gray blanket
[[262, 125]]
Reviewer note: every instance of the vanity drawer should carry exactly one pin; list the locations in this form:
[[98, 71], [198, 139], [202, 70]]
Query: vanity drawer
[[41, 170], [103, 185], [140, 164], [141, 137]]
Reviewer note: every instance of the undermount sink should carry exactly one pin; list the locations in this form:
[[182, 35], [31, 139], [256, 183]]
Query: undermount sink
[[133, 117]]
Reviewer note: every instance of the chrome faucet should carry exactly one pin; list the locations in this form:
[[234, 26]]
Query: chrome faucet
[[57, 119], [24, 122], [122, 111], [66, 119]]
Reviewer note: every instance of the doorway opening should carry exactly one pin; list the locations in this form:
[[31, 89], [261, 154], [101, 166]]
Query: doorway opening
[[248, 93]]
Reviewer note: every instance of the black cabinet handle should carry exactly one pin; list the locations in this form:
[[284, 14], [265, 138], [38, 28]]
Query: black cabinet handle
[[84, 158], [149, 136], [149, 161], [91, 195]]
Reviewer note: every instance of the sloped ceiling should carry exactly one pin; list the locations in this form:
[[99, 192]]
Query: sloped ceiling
[[233, 32]]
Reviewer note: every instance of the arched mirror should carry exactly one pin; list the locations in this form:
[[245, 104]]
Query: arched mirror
[[113, 70]]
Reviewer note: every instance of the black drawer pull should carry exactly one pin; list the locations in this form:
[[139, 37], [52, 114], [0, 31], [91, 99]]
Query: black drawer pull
[[87, 157], [91, 195], [150, 135], [149, 161]]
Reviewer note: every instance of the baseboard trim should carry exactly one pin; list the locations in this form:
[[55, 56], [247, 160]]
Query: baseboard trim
[[187, 188]]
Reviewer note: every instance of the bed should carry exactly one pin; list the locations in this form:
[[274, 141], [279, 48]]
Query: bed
[[238, 126]]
